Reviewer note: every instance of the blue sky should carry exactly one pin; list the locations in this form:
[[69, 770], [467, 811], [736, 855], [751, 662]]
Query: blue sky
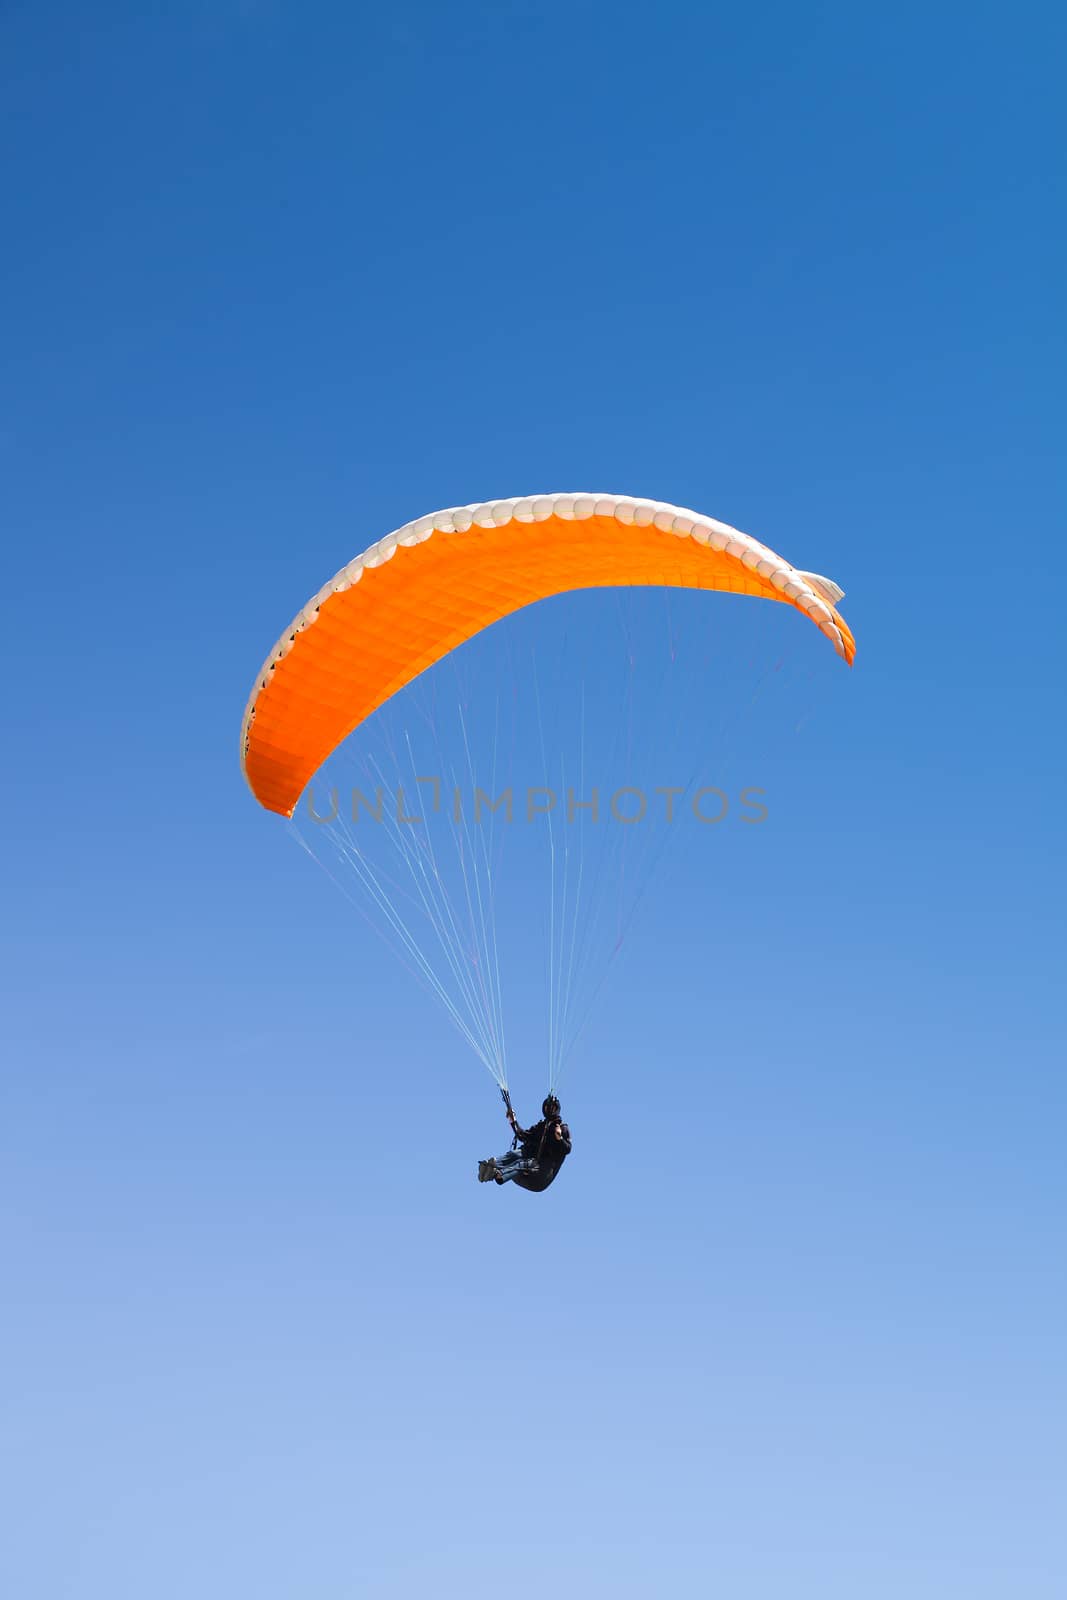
[[277, 279]]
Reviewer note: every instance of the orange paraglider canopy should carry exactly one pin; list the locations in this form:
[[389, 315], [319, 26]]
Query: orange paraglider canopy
[[425, 589]]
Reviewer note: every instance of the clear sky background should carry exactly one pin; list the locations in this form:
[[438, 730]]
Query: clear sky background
[[274, 280]]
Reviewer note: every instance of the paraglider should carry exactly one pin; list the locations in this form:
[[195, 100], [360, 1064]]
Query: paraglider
[[409, 602]]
